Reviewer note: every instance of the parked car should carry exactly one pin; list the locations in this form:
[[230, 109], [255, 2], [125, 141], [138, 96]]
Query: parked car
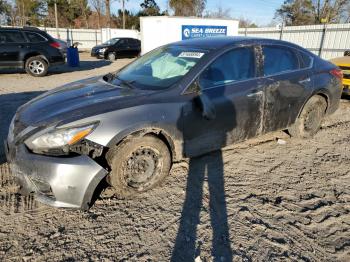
[[181, 100], [344, 65], [120, 47], [29, 48]]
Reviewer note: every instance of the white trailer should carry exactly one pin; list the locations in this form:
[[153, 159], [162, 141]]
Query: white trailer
[[160, 30]]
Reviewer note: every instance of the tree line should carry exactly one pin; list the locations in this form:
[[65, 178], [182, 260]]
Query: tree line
[[97, 13]]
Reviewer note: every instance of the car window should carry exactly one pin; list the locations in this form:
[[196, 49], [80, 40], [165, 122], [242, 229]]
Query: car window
[[122, 42], [235, 65], [12, 37], [34, 37], [279, 59], [306, 60]]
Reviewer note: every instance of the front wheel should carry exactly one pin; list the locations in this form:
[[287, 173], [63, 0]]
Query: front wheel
[[138, 165], [36, 66], [310, 119], [111, 56]]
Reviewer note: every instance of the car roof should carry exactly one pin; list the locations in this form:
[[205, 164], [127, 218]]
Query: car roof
[[26, 28], [218, 42]]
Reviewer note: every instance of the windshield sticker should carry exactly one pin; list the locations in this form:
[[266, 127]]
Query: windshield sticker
[[191, 54]]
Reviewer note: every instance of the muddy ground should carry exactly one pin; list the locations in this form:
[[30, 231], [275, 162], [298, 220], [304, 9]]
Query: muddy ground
[[281, 202]]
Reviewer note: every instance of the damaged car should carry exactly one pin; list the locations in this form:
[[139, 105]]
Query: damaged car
[[178, 101]]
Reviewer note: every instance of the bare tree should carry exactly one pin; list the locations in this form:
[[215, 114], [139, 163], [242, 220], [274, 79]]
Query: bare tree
[[187, 7], [108, 12], [85, 11], [220, 12], [98, 6]]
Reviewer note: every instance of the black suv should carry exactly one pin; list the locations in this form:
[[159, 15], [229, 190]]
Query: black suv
[[29, 48], [117, 48]]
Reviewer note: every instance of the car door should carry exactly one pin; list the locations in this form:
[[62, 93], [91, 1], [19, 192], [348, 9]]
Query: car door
[[287, 83], [135, 47], [12, 44], [121, 47], [230, 86]]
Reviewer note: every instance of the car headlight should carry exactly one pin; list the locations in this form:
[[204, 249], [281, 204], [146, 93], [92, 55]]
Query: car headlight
[[102, 50], [59, 138]]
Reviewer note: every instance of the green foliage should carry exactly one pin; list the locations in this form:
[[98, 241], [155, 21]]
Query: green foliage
[[68, 11], [132, 21], [149, 8]]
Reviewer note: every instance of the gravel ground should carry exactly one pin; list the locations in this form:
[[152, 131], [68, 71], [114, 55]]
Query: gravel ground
[[281, 202]]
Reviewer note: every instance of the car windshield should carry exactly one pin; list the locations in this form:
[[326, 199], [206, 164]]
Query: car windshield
[[111, 41], [160, 68]]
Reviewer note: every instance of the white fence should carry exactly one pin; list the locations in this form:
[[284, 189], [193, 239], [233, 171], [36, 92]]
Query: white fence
[[327, 41], [87, 37]]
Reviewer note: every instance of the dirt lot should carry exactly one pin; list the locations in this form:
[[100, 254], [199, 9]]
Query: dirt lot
[[282, 202]]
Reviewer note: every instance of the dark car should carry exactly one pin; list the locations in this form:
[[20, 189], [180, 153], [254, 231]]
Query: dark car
[[29, 48], [181, 100], [120, 47]]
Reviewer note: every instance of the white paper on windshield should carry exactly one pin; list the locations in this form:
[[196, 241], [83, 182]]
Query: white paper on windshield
[[191, 54]]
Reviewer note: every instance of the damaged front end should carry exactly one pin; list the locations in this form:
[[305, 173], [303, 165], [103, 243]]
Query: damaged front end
[[64, 176]]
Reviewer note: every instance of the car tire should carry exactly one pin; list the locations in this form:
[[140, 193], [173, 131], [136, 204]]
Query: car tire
[[310, 119], [111, 57], [137, 165], [36, 66]]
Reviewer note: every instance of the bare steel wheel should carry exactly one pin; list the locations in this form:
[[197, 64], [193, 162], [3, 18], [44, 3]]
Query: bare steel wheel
[[36, 66], [310, 119], [138, 165]]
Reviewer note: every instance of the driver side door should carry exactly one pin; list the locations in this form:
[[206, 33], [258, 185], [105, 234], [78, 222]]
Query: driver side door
[[230, 87]]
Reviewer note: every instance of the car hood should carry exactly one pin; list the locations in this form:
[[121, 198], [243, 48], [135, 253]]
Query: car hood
[[100, 46], [78, 100]]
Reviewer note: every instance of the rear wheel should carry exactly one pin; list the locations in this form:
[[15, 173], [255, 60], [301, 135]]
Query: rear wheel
[[36, 66], [138, 165], [310, 119]]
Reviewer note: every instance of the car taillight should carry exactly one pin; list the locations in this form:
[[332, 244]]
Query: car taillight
[[55, 45], [337, 73]]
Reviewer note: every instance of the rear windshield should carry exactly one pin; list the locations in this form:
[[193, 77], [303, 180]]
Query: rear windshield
[[160, 68]]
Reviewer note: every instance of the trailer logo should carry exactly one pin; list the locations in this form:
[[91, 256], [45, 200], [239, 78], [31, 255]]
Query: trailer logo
[[198, 31]]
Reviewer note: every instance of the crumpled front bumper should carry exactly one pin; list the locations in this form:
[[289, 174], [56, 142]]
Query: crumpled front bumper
[[67, 182]]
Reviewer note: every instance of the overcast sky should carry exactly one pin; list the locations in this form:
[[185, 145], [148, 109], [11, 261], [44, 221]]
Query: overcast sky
[[260, 12]]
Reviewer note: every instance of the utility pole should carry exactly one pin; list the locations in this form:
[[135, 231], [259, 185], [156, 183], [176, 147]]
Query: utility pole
[[123, 8], [56, 20]]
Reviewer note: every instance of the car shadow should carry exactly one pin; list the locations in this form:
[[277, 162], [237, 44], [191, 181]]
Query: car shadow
[[9, 104], [60, 69]]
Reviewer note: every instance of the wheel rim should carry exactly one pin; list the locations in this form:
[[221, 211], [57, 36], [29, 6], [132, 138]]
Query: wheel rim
[[111, 57], [313, 120], [141, 167], [36, 67]]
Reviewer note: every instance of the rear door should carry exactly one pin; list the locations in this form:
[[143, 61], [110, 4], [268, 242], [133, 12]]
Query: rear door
[[135, 47], [12, 45], [122, 48], [287, 83], [231, 85]]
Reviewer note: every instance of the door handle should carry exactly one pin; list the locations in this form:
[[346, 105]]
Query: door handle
[[255, 93], [304, 81]]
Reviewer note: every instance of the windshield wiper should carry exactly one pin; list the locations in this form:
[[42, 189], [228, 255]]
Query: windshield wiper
[[124, 82]]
